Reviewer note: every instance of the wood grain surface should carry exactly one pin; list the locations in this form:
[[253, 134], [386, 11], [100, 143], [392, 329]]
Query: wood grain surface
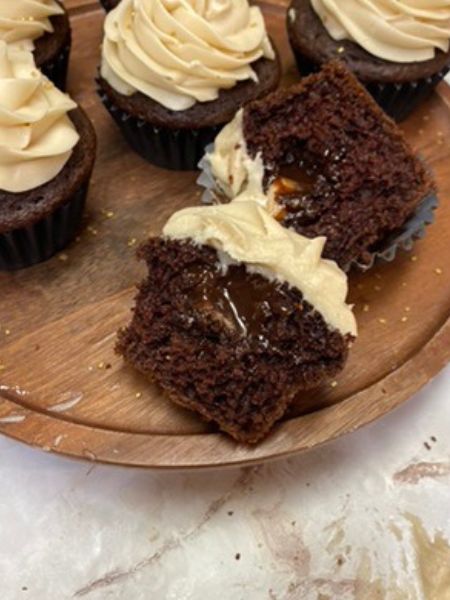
[[63, 389]]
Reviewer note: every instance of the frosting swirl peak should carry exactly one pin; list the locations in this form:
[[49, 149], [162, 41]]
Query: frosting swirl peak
[[26, 20], [179, 52], [400, 31], [245, 232], [36, 135]]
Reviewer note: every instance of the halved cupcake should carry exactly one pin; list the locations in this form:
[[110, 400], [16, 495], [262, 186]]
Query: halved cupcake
[[398, 49], [42, 26], [326, 161], [47, 152], [173, 74], [237, 315]]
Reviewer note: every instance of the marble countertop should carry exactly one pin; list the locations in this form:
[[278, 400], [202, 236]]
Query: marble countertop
[[366, 517]]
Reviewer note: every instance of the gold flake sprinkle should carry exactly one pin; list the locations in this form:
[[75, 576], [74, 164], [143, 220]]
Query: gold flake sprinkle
[[63, 257], [438, 271], [366, 308], [90, 368], [426, 117], [333, 384], [407, 308], [7, 332], [341, 50], [377, 288], [404, 319], [131, 242], [382, 321], [2, 367], [414, 258], [138, 394], [109, 214], [101, 365], [403, 283], [92, 230]]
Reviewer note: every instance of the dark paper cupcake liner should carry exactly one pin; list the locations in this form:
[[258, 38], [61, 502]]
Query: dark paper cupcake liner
[[385, 251], [27, 246], [398, 100], [176, 149], [109, 4], [56, 70]]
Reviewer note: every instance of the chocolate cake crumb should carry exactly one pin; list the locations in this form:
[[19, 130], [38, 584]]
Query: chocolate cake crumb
[[237, 365], [364, 181]]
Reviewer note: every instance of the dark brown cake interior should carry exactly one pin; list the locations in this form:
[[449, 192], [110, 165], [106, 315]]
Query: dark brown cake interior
[[359, 178], [233, 346]]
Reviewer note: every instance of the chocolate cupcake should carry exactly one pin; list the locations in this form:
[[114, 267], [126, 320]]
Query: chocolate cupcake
[[173, 75], [42, 26], [237, 316], [399, 50], [47, 152], [326, 161]]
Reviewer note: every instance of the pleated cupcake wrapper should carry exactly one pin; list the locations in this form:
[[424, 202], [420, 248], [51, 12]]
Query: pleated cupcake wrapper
[[398, 100], [27, 246], [402, 239], [56, 70], [178, 149]]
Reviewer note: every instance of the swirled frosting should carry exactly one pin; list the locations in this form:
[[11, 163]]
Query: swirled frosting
[[22, 21], [179, 52], [400, 31], [245, 232], [36, 135]]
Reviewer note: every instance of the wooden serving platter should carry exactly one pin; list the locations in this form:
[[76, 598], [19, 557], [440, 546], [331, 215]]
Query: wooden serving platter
[[63, 389]]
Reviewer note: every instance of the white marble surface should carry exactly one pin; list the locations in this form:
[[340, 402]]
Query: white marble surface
[[366, 517]]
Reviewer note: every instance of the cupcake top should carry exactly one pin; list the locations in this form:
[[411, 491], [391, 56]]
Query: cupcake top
[[36, 135], [22, 21], [179, 52], [401, 31], [244, 232]]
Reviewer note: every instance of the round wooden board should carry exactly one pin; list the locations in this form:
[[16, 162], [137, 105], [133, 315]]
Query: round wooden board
[[63, 389]]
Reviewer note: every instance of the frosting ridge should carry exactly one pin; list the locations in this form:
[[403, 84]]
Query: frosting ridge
[[22, 21], [400, 31], [179, 52], [36, 135], [245, 232]]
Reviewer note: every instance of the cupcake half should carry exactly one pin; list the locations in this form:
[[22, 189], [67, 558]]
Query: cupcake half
[[43, 27], [236, 316], [47, 152], [173, 74], [399, 50], [326, 161]]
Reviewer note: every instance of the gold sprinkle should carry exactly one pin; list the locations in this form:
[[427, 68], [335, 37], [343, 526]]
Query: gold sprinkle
[[377, 288], [341, 50], [138, 394], [404, 319], [7, 332], [407, 308], [333, 384], [110, 214], [101, 365], [92, 230], [403, 283], [2, 367], [131, 242], [382, 321], [366, 308], [413, 258], [63, 257], [90, 368], [438, 271], [440, 134], [426, 117]]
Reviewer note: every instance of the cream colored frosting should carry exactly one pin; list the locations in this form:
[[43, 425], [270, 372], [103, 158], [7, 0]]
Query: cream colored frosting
[[179, 52], [22, 21], [36, 135], [238, 175], [245, 232], [396, 30]]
